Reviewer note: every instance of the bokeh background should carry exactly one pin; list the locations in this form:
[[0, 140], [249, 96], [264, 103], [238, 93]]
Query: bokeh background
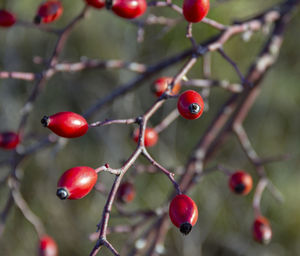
[[225, 220]]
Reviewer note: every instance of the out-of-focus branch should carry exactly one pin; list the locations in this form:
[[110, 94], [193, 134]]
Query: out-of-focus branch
[[24, 208], [27, 76]]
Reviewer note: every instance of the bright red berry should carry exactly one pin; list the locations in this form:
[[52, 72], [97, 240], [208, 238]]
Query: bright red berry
[[7, 19], [129, 9], [96, 3], [76, 182], [190, 105], [195, 10], [47, 246], [150, 137], [48, 11], [241, 182], [160, 86], [126, 192], [9, 140], [183, 213], [262, 231], [66, 124]]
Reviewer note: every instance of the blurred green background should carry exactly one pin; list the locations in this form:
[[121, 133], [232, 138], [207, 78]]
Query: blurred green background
[[225, 220]]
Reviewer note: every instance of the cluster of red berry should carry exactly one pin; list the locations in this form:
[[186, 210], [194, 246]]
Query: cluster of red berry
[[77, 182], [49, 11], [183, 210]]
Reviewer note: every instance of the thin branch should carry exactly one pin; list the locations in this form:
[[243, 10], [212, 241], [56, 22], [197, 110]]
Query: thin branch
[[207, 83], [235, 66], [23, 206], [106, 168], [170, 118], [214, 24], [169, 174], [245, 143], [260, 187], [109, 122], [27, 76], [94, 64]]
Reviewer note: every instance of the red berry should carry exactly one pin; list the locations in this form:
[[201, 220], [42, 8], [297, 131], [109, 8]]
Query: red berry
[[66, 124], [262, 231], [47, 247], [7, 19], [190, 105], [241, 182], [48, 12], [126, 192], [9, 140], [195, 10], [76, 182], [183, 213], [161, 84], [150, 137], [96, 3], [129, 9]]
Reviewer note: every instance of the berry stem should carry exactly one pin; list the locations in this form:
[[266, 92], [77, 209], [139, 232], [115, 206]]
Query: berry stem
[[169, 174], [260, 187]]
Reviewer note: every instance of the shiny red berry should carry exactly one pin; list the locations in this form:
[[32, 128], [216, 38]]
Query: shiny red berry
[[66, 124], [48, 11], [7, 19], [96, 3], [129, 9], [195, 10], [76, 182], [240, 182], [183, 213], [160, 86], [9, 140], [190, 105], [150, 137], [126, 192], [47, 246], [262, 231]]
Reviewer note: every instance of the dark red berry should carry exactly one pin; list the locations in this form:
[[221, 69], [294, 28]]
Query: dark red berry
[[66, 124], [160, 86], [9, 140], [47, 246], [240, 182], [96, 3], [190, 105], [76, 182], [195, 10], [129, 9], [150, 137], [262, 231], [126, 192], [7, 19], [48, 11], [183, 213]]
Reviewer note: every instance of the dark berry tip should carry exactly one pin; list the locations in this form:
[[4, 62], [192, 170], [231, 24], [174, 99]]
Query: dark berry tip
[[37, 20], [62, 193], [108, 4], [185, 228], [194, 108], [45, 121], [239, 188]]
